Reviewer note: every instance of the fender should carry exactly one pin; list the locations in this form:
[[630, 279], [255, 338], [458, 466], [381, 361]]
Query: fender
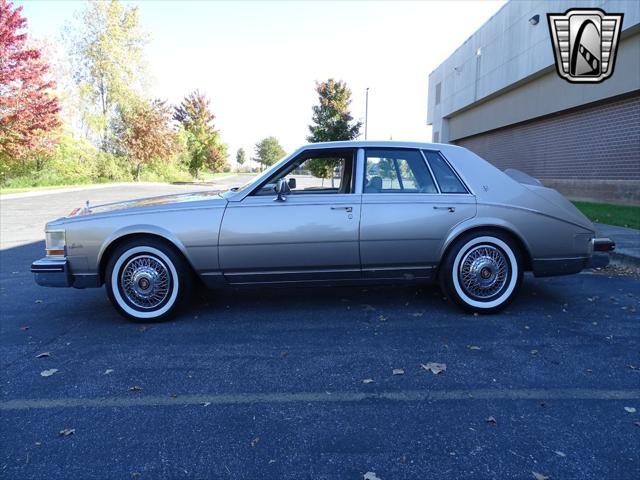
[[142, 229], [482, 222]]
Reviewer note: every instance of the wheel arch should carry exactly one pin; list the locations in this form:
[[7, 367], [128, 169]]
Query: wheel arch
[[498, 226], [118, 238]]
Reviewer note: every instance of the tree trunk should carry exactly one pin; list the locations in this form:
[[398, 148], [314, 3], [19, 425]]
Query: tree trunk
[[138, 168]]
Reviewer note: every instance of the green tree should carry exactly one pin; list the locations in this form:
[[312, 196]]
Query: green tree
[[106, 47], [322, 167], [332, 120], [203, 141], [240, 157], [145, 133], [269, 151]]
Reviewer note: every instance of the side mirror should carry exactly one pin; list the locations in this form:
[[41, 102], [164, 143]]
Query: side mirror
[[292, 183], [282, 190]]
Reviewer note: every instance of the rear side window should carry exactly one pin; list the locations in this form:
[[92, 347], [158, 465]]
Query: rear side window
[[446, 178], [397, 171]]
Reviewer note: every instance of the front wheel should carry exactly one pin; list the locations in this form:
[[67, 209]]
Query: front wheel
[[482, 272], [147, 280]]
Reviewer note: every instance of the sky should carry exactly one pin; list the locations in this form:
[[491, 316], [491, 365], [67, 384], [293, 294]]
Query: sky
[[258, 61]]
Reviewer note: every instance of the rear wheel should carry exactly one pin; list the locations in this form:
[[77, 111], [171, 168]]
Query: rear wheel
[[147, 280], [482, 271]]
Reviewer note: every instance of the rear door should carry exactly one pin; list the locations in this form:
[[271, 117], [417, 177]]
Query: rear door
[[407, 213]]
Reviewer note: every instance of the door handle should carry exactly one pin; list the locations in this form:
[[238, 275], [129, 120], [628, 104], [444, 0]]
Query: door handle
[[448, 209], [348, 209]]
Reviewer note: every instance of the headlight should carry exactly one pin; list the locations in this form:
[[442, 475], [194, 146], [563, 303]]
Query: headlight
[[55, 242]]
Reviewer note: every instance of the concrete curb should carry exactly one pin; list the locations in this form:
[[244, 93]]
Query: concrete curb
[[627, 252], [622, 260]]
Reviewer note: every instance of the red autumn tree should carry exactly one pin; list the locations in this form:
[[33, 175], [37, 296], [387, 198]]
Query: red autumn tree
[[28, 111], [145, 133]]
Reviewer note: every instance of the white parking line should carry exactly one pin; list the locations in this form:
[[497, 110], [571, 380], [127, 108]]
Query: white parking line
[[323, 397]]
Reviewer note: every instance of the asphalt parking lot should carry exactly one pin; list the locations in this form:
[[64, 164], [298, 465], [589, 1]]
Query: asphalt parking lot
[[269, 383]]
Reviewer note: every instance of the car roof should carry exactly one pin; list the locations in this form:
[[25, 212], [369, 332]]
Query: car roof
[[374, 143]]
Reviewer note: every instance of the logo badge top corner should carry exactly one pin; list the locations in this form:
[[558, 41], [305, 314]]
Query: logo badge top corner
[[585, 43]]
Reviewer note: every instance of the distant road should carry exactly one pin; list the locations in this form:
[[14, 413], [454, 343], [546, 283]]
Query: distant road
[[22, 219]]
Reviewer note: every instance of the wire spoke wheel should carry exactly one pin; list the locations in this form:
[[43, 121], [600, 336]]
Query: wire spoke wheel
[[145, 282], [483, 272]]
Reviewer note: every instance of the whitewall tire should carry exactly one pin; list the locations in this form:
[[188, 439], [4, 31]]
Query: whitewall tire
[[147, 280], [482, 271]]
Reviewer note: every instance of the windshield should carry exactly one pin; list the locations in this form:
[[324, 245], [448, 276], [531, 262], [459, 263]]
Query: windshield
[[267, 172]]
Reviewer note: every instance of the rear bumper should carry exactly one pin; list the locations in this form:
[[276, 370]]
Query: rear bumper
[[549, 267], [52, 272]]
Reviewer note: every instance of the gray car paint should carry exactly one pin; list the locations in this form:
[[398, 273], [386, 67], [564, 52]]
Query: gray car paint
[[255, 239]]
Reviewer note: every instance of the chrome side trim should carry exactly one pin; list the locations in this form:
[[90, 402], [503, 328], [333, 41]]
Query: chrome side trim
[[531, 210]]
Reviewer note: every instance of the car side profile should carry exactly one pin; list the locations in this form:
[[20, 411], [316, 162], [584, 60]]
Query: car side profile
[[329, 213]]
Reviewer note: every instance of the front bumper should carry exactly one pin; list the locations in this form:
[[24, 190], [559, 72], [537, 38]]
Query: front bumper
[[52, 272]]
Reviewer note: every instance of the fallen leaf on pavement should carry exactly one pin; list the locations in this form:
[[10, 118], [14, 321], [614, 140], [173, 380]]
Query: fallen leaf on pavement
[[48, 373], [108, 371], [142, 328], [382, 318], [43, 355], [637, 424], [560, 454], [539, 476], [24, 328], [398, 371], [367, 380], [206, 404], [255, 441], [473, 347], [491, 420], [534, 352], [368, 308], [38, 301], [66, 432], [629, 409], [371, 476], [417, 314], [135, 388], [434, 368]]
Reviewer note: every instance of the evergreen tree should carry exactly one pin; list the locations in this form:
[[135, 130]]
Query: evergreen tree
[[332, 120]]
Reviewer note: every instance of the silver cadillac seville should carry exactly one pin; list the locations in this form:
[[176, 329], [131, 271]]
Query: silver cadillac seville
[[329, 213]]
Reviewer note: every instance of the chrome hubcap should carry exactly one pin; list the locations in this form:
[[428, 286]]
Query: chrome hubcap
[[483, 271], [145, 281]]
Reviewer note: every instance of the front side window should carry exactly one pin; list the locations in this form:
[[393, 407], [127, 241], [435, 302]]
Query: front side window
[[397, 171], [319, 171], [446, 178]]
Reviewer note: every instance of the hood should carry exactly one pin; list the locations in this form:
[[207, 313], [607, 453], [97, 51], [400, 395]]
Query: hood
[[149, 202]]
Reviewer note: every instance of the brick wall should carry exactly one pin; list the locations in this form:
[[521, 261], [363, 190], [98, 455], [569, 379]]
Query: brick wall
[[576, 148]]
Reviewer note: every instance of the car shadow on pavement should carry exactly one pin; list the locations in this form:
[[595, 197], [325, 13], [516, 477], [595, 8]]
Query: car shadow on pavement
[[22, 298]]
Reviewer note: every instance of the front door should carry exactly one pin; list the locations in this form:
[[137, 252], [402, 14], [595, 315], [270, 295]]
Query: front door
[[309, 236], [407, 213]]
